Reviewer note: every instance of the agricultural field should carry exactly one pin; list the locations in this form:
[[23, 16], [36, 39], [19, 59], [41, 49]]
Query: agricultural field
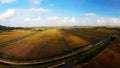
[[90, 34], [109, 58], [50, 42], [44, 43], [13, 35]]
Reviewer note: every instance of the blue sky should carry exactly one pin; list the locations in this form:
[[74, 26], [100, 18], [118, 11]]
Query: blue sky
[[29, 13]]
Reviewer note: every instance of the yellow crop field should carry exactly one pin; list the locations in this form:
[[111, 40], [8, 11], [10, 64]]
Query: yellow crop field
[[8, 36], [75, 41], [43, 44], [21, 49], [49, 42]]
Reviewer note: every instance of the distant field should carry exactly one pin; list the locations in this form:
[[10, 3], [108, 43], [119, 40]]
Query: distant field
[[90, 34], [50, 42]]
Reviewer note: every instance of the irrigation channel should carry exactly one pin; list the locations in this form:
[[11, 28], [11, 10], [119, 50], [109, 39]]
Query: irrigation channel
[[96, 44]]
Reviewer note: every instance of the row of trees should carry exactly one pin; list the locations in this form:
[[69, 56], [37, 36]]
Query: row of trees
[[7, 29]]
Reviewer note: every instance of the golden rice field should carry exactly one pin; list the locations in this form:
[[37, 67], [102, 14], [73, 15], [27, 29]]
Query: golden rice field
[[13, 35], [49, 42]]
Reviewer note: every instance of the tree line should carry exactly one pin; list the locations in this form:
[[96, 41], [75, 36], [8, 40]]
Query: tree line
[[7, 29]]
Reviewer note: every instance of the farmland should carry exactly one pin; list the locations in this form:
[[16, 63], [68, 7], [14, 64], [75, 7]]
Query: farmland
[[90, 34], [13, 35], [48, 42], [109, 58], [43, 44]]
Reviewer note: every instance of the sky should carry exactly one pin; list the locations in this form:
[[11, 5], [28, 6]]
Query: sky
[[36, 13]]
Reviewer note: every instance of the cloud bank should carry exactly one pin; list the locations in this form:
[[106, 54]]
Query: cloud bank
[[7, 1], [35, 17]]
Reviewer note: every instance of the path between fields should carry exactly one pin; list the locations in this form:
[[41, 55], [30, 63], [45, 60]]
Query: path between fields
[[17, 40]]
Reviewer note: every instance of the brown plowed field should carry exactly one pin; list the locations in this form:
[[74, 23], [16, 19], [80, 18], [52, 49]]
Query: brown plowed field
[[109, 58]]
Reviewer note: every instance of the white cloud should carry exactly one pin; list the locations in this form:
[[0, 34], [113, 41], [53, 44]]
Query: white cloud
[[53, 18], [69, 21], [8, 14], [28, 22], [108, 21], [35, 2], [66, 19], [38, 19], [7, 1], [90, 14], [38, 10], [59, 21], [101, 20], [114, 21], [73, 19]]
